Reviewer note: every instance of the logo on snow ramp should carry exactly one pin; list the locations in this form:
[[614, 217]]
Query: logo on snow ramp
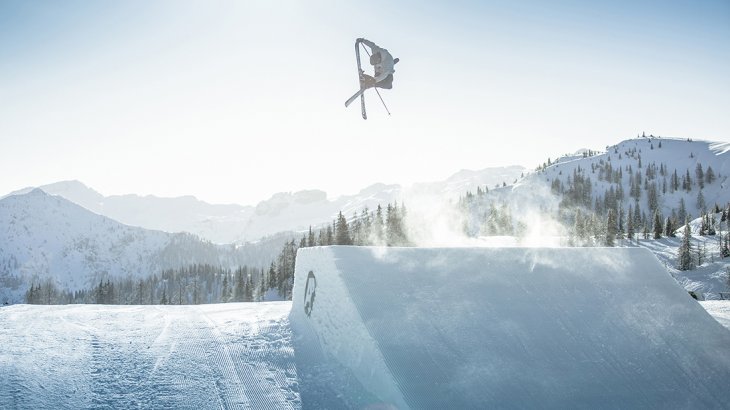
[[309, 293]]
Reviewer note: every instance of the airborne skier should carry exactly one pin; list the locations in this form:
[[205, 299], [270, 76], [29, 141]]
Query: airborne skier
[[384, 67]]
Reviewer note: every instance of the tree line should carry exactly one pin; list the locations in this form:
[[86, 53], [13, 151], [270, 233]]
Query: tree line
[[205, 283]]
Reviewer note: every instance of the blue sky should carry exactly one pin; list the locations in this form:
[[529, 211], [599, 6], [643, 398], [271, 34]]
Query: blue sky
[[234, 101]]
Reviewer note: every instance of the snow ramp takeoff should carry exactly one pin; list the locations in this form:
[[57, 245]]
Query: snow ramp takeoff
[[501, 328]]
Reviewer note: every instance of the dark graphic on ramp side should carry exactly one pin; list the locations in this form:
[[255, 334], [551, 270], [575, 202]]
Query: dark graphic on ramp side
[[309, 293]]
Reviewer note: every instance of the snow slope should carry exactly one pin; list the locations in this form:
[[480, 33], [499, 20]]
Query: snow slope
[[152, 357], [43, 236], [680, 155], [47, 237], [711, 278], [719, 309], [510, 327]]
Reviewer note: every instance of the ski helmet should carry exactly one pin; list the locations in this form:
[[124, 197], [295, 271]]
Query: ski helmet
[[375, 58]]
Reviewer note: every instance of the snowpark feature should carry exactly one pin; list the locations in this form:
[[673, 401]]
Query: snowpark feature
[[383, 328], [502, 327]]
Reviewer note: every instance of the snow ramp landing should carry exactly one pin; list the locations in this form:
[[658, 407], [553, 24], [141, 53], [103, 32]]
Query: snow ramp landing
[[501, 328]]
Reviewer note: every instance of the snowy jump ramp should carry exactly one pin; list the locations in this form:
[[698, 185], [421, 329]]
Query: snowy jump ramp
[[501, 328]]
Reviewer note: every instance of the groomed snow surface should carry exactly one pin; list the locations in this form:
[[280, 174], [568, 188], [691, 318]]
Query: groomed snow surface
[[222, 356], [384, 328]]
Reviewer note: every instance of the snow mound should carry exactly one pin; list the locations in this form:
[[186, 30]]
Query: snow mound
[[494, 328]]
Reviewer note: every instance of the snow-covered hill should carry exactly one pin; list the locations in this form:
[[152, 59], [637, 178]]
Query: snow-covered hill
[[567, 201], [284, 211], [656, 161], [710, 277], [48, 237], [640, 174]]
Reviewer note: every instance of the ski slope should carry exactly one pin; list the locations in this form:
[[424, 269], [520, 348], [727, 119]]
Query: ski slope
[[153, 357], [385, 328]]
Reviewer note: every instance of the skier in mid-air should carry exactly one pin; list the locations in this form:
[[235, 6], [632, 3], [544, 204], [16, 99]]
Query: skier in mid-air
[[384, 64], [384, 67]]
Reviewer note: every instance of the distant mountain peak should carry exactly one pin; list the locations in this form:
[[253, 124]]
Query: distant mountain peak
[[36, 192]]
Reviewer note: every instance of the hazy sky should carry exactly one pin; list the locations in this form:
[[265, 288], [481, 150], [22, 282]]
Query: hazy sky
[[232, 101]]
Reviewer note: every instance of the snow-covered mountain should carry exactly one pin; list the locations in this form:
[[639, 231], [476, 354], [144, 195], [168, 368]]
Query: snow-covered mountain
[[594, 181], [656, 161], [284, 211], [48, 237], [567, 201], [217, 223]]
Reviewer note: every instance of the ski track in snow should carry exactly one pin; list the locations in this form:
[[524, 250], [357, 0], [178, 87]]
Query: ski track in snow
[[232, 356]]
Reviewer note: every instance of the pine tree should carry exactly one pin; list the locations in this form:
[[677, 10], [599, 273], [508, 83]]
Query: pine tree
[[248, 291], [311, 241], [621, 218], [329, 236], [225, 293], [179, 294], [669, 228], [684, 254], [658, 227], [30, 295], [272, 276], [630, 230], [343, 231], [701, 252], [701, 201], [395, 229], [365, 229], [239, 291], [355, 229], [682, 213], [652, 197], [711, 224], [378, 227], [196, 292], [611, 228], [700, 176]]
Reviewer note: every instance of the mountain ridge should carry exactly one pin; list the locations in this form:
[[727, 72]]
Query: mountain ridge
[[283, 211], [47, 237]]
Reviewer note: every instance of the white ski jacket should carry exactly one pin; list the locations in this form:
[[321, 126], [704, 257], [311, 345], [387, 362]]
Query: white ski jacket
[[386, 65]]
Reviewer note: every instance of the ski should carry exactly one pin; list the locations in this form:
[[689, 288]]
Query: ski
[[359, 78], [354, 97]]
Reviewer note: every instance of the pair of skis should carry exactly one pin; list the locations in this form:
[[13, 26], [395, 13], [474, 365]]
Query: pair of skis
[[361, 92]]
